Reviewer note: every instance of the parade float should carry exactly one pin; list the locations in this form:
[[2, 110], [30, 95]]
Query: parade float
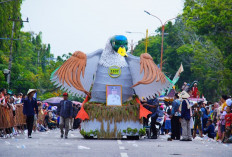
[[113, 82]]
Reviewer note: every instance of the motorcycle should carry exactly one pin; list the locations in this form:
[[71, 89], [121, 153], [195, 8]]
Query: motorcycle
[[158, 124]]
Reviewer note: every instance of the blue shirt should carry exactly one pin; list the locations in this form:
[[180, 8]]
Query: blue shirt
[[210, 131], [155, 110], [175, 107], [30, 106], [65, 109], [204, 116]]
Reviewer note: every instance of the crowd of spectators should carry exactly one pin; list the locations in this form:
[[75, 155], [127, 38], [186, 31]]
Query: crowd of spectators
[[46, 119]]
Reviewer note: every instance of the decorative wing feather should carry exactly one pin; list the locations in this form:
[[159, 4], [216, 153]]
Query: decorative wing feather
[[77, 73], [147, 78]]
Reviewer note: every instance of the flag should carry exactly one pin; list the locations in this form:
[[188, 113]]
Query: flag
[[143, 112], [177, 76], [82, 114]]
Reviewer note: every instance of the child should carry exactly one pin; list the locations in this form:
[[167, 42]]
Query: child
[[197, 121], [168, 120], [210, 129], [40, 127], [228, 118], [223, 122]]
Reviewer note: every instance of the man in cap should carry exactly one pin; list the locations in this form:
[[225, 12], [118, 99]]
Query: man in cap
[[114, 98], [29, 108], [65, 111]]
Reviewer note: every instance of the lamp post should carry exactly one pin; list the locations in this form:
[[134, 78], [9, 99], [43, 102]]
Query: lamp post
[[163, 24], [132, 44], [145, 36]]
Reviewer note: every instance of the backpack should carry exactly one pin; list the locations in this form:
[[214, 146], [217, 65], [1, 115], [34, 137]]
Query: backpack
[[169, 111]]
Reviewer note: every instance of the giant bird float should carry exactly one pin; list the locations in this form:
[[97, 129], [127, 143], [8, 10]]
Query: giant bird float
[[88, 74]]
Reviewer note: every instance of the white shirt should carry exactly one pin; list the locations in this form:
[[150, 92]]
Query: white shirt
[[113, 99]]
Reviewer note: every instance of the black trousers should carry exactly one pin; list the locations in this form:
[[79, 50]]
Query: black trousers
[[204, 121], [175, 125], [145, 120], [30, 121], [153, 127]]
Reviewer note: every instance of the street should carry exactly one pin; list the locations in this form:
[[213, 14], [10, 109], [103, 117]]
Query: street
[[49, 144]]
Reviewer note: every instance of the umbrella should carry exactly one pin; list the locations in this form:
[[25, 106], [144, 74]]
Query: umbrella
[[53, 101]]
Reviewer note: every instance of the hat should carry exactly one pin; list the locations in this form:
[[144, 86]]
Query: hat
[[184, 95], [168, 99], [65, 94], [31, 90]]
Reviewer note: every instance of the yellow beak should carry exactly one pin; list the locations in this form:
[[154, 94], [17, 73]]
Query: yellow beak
[[122, 51]]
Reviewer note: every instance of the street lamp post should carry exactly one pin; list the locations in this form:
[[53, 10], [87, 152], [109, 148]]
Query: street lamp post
[[146, 39], [132, 43], [162, 43]]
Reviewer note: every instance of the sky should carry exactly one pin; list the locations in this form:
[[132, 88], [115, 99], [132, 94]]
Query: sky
[[86, 25]]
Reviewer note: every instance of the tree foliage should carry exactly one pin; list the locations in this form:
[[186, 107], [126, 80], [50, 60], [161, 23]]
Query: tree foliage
[[32, 64], [201, 40]]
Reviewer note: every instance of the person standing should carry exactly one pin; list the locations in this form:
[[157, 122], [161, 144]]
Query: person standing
[[185, 117], [167, 126], [65, 111], [223, 101], [175, 118], [153, 105], [184, 87], [197, 121], [73, 117], [228, 119], [29, 108], [204, 115], [195, 93]]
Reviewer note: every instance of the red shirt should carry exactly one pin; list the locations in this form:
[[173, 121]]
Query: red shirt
[[228, 118], [195, 92]]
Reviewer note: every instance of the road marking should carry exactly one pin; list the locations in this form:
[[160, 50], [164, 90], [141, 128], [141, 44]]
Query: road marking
[[83, 147], [119, 141], [135, 145], [130, 142], [124, 155], [121, 147]]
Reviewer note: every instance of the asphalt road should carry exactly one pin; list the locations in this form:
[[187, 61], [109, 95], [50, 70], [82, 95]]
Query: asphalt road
[[49, 144]]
